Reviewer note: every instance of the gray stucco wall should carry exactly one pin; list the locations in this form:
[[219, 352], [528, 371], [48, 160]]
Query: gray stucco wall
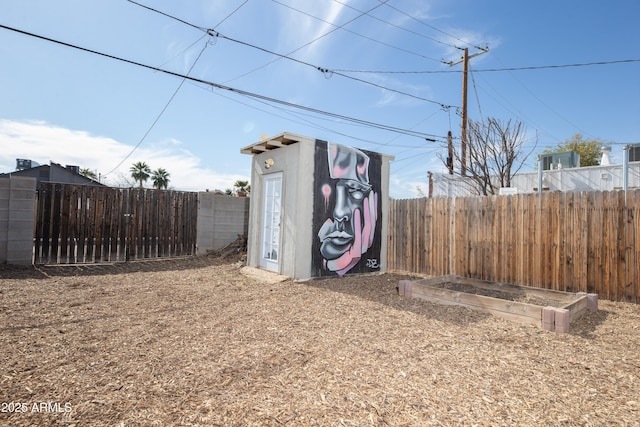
[[295, 161], [221, 219], [17, 210]]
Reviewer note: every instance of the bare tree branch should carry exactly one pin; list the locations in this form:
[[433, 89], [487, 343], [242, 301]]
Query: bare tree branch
[[495, 152]]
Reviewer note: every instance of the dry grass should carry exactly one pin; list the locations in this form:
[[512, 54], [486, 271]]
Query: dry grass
[[195, 342]]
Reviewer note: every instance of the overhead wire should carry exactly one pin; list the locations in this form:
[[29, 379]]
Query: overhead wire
[[368, 123], [508, 106], [356, 33], [397, 26], [475, 90], [183, 51], [488, 70], [168, 16], [231, 14], [173, 95], [310, 123], [539, 99], [432, 27], [382, 2], [327, 72]]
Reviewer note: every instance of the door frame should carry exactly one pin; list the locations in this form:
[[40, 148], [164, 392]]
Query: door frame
[[268, 262]]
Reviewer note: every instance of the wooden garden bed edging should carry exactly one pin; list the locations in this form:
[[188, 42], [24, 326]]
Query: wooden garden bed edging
[[552, 310]]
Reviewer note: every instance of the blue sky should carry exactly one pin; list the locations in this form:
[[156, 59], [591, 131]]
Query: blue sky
[[72, 107]]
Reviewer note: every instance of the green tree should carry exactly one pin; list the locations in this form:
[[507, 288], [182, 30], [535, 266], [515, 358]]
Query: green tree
[[140, 171], [242, 187], [589, 150], [89, 174], [160, 178]]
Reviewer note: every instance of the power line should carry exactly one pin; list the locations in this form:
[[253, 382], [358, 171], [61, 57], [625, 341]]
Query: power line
[[358, 34], [161, 112], [325, 71], [329, 72], [231, 14], [316, 125], [432, 27], [363, 122], [182, 51], [510, 107], [475, 90], [532, 93], [382, 2], [487, 70], [397, 26], [168, 16]]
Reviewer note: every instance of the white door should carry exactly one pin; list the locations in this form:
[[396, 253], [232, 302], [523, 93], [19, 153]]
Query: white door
[[271, 209]]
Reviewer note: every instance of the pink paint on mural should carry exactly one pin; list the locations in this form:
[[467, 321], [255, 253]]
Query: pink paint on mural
[[350, 231]]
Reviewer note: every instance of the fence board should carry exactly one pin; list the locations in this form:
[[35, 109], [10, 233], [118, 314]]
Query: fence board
[[82, 220], [577, 242], [81, 224]]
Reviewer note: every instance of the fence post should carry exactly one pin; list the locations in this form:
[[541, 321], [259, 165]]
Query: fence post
[[539, 174], [625, 170]]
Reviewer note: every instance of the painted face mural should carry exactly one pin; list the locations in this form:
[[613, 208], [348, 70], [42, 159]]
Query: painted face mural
[[346, 211]]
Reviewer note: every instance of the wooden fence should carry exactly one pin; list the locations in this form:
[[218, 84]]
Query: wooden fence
[[568, 241], [87, 224]]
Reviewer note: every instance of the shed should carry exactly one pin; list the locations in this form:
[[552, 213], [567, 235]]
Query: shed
[[317, 208]]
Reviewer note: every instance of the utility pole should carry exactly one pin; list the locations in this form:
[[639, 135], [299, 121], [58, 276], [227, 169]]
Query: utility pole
[[463, 133], [450, 152]]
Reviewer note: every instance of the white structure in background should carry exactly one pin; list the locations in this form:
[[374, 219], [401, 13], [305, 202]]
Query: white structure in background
[[606, 156], [605, 177]]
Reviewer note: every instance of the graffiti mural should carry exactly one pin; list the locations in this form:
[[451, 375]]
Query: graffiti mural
[[347, 211]]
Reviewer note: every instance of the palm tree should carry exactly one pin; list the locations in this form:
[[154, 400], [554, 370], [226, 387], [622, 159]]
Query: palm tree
[[140, 171], [160, 178], [242, 187], [89, 173]]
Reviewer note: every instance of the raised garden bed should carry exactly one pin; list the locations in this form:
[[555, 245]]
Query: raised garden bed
[[552, 310]]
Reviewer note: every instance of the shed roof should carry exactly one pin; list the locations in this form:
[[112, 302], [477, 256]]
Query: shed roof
[[277, 141]]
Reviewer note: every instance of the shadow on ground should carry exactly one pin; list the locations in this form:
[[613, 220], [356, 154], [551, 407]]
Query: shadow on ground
[[8, 271]]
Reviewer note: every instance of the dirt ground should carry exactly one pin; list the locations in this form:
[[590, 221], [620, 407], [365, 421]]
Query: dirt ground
[[197, 342]]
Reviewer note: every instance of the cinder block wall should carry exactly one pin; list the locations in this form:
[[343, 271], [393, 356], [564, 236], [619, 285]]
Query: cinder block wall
[[17, 216], [221, 219]]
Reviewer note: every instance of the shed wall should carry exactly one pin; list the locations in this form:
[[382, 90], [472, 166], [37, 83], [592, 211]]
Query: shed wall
[[295, 162]]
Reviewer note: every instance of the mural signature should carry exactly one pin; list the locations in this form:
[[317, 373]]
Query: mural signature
[[372, 263]]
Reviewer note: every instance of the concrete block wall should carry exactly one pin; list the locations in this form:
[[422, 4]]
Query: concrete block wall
[[221, 219], [17, 219]]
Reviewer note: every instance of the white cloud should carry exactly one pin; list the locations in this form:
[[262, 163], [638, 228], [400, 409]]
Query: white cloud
[[301, 28], [402, 188], [44, 143]]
